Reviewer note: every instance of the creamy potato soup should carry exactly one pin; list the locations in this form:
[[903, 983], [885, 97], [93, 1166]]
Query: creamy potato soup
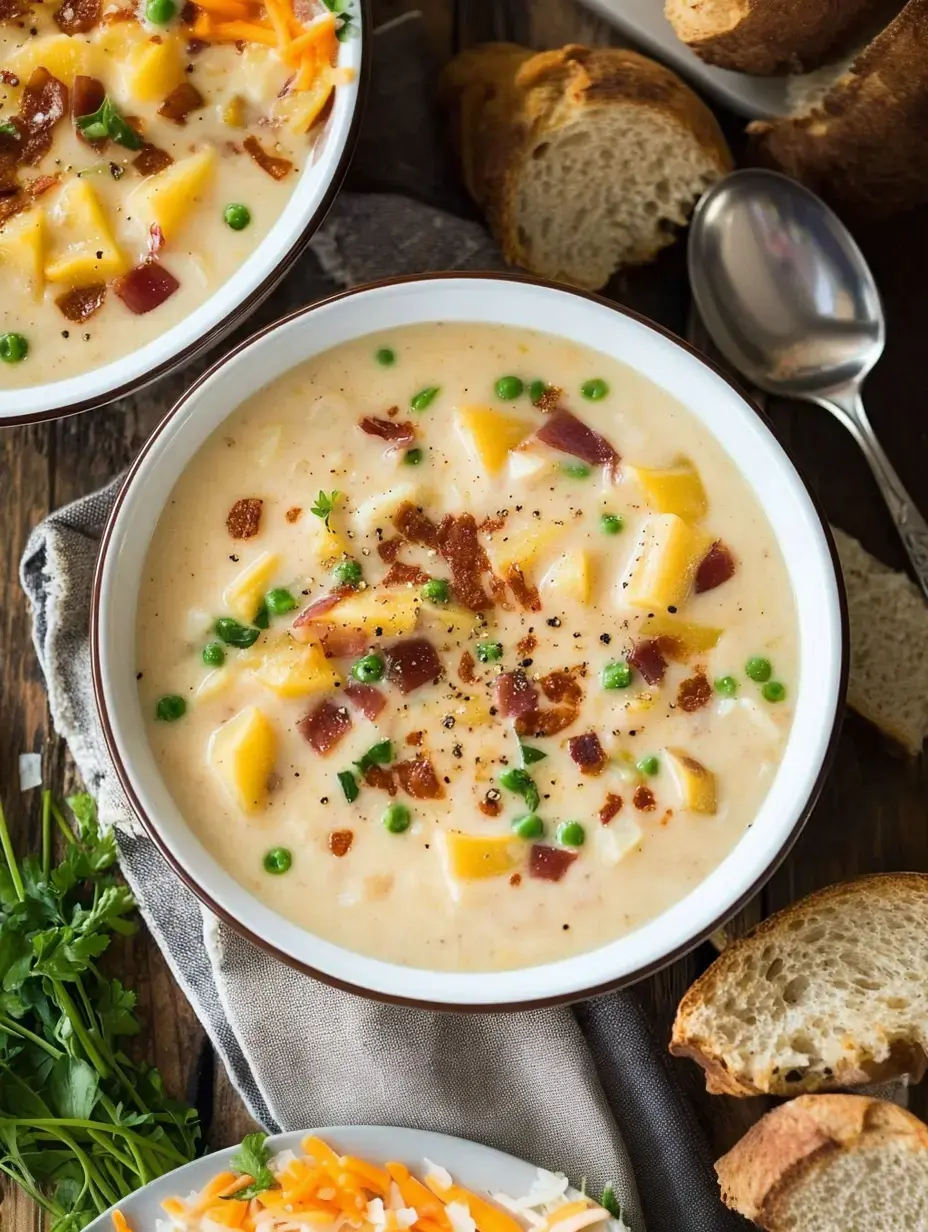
[[145, 151], [466, 648]]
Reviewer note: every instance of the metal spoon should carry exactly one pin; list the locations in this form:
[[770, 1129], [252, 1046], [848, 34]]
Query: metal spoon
[[790, 302]]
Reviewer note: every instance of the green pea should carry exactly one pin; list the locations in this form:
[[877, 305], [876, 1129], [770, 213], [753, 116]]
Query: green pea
[[611, 523], [385, 357], [396, 818], [170, 708], [235, 634], [773, 691], [571, 834], [262, 618], [508, 388], [436, 590], [577, 470], [649, 765], [160, 12], [424, 398], [617, 675], [727, 686], [758, 669], [530, 826], [412, 457], [278, 860], [489, 652], [594, 390], [280, 601], [369, 669], [536, 391], [349, 785], [347, 573], [13, 348], [237, 216], [214, 655]]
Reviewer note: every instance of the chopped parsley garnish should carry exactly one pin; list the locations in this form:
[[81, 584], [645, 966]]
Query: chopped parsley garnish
[[325, 506], [349, 785], [611, 1202], [378, 755], [523, 785], [107, 122], [9, 129], [346, 29], [251, 1159], [531, 754]]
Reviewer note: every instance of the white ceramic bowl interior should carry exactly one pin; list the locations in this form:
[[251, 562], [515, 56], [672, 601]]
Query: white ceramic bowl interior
[[304, 209], [589, 322]]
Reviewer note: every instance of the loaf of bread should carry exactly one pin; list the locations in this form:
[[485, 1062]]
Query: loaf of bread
[[864, 145], [831, 992], [583, 160], [831, 1163]]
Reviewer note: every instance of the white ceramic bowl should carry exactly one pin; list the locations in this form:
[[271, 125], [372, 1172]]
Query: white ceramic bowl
[[601, 326], [233, 301]]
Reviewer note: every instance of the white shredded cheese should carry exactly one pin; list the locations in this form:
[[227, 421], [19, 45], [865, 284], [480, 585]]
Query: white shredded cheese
[[460, 1217], [435, 1172]]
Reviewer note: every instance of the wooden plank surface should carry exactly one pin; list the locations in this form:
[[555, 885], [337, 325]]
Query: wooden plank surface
[[872, 812]]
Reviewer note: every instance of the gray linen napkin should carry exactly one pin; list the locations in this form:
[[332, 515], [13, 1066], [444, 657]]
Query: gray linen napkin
[[590, 1093]]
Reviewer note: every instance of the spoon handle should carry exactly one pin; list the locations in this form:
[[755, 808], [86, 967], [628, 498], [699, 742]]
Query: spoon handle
[[912, 527]]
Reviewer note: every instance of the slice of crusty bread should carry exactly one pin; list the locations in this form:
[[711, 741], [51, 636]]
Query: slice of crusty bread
[[831, 1163], [888, 616], [864, 146], [584, 160], [831, 992], [768, 36]]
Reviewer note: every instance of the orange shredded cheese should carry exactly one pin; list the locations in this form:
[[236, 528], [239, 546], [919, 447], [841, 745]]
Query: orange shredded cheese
[[120, 1223]]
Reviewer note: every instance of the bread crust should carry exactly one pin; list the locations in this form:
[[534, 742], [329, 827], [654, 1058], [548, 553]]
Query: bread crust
[[864, 147], [503, 101], [905, 1056], [793, 1141]]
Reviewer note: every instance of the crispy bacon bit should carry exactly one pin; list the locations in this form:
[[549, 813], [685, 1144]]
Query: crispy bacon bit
[[325, 726], [466, 668], [515, 879], [459, 545], [415, 525], [316, 611], [44, 103], [524, 591], [195, 45], [342, 643], [146, 287], [181, 101], [568, 434], [490, 526], [587, 752], [340, 842], [382, 777], [87, 95], [611, 808], [415, 739], [388, 549], [243, 520], [647, 658], [155, 239], [498, 591], [115, 16], [528, 644], [79, 304], [695, 692], [151, 160], [562, 686], [399, 434], [277, 168], [643, 799], [515, 694], [412, 663], [716, 567], [549, 400], [369, 701], [77, 17], [549, 863], [418, 779], [401, 574], [293, 514], [41, 184]]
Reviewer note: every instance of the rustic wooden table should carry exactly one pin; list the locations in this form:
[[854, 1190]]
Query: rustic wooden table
[[872, 815]]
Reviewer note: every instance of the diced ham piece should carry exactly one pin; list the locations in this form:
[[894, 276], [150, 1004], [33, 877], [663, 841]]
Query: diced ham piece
[[412, 663], [694, 693], [398, 434], [366, 698], [181, 101], [146, 287], [587, 752], [150, 160], [325, 726], [80, 303], [44, 103], [568, 434], [77, 17], [341, 643], [401, 574], [418, 779], [549, 863], [611, 808], [646, 657], [515, 694], [315, 612], [277, 168], [716, 567], [243, 521]]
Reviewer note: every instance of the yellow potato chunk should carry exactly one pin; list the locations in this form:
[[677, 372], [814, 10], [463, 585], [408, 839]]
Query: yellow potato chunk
[[326, 544], [570, 577], [293, 670], [234, 112], [86, 250], [245, 592], [696, 784], [169, 198], [300, 110], [242, 753], [523, 548], [390, 612], [489, 435], [693, 639], [214, 684], [665, 562], [379, 509], [473, 857], [63, 56], [676, 490], [152, 70], [22, 251]]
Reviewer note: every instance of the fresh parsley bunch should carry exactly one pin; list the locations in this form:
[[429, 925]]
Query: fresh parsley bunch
[[81, 1126]]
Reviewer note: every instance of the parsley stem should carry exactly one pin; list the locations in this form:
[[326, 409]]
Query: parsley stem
[[54, 1125], [46, 835], [7, 845], [63, 824], [15, 1028], [25, 1183], [63, 997]]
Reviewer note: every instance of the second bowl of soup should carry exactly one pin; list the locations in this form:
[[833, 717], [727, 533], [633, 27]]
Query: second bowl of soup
[[462, 661]]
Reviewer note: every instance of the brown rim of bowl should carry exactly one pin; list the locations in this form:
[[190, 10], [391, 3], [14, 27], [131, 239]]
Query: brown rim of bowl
[[583, 994], [243, 311]]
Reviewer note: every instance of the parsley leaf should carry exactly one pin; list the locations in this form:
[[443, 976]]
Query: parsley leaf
[[325, 506], [380, 754], [611, 1202], [346, 29], [9, 129], [251, 1159], [107, 122]]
